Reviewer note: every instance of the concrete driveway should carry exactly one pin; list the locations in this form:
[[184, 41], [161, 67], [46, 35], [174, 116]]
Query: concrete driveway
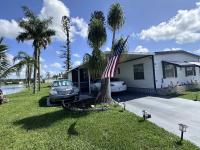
[[168, 113]]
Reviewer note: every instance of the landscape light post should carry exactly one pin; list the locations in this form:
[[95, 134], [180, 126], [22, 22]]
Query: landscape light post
[[182, 128], [146, 115]]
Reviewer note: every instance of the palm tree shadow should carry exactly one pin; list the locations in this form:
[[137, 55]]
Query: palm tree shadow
[[71, 130], [46, 120]]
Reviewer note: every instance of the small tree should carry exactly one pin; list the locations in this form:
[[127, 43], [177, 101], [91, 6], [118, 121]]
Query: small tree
[[66, 53], [96, 38], [24, 61]]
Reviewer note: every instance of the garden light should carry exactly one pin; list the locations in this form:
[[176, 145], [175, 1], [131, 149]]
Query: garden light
[[182, 128], [146, 115]]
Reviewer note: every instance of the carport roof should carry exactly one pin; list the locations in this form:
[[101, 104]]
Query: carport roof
[[124, 58], [183, 64]]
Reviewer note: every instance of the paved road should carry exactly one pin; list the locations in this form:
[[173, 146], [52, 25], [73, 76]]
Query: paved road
[[168, 113]]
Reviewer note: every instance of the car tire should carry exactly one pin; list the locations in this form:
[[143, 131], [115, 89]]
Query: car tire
[[77, 97]]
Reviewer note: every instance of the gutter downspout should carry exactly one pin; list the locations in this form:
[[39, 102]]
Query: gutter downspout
[[154, 77]]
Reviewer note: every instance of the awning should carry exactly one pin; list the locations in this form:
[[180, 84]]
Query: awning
[[183, 64]]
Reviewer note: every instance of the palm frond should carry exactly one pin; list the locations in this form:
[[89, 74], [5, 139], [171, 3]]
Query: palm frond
[[116, 17]]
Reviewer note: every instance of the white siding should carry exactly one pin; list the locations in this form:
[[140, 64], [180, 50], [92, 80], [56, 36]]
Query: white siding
[[181, 78], [127, 73], [69, 74]]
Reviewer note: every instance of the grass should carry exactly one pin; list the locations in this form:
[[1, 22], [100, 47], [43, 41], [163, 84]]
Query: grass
[[27, 124], [191, 95]]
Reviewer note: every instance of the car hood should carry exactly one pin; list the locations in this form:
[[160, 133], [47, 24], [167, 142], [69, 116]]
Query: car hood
[[117, 82]]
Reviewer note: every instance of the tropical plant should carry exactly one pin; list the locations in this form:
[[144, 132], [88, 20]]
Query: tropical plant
[[104, 95], [4, 62], [98, 15], [115, 19], [37, 30], [25, 61], [67, 52], [96, 38]]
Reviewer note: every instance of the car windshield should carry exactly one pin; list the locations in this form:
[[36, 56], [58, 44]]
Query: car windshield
[[61, 83]]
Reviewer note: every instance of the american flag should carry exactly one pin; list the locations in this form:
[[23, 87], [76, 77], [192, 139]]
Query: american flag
[[113, 60]]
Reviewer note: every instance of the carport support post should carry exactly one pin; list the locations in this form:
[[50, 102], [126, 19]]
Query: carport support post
[[89, 81], [79, 81]]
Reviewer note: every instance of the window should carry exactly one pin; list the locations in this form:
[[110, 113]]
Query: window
[[139, 72], [190, 71], [118, 70], [169, 71]]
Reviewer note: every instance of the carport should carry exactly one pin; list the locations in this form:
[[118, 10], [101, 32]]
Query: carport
[[80, 75]]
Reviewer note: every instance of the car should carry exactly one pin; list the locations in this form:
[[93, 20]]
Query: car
[[63, 90], [116, 85]]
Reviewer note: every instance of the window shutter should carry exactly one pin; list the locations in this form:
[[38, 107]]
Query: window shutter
[[163, 69], [175, 71], [194, 71], [186, 71]]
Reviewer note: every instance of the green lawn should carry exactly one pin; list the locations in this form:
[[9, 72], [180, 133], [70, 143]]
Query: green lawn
[[26, 124], [191, 95]]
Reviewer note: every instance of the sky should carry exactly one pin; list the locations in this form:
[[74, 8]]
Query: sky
[[153, 25]]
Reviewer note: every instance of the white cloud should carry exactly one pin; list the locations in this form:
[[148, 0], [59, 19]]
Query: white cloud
[[140, 49], [56, 65], [76, 55], [42, 59], [76, 63], [81, 26], [197, 51], [133, 35], [183, 28], [51, 8], [10, 57], [45, 66], [172, 49], [58, 52], [107, 49], [57, 9], [9, 29]]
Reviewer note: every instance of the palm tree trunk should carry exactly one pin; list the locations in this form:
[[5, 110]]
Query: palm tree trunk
[[38, 70], [113, 39], [105, 93], [35, 71], [28, 76]]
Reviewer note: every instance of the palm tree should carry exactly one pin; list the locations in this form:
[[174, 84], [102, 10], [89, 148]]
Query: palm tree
[[96, 38], [24, 61], [66, 53], [37, 30], [4, 63], [115, 19]]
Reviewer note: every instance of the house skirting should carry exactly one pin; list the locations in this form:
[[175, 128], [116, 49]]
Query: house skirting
[[179, 89], [164, 91], [146, 91]]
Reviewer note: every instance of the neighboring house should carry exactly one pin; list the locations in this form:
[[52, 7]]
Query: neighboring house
[[160, 72]]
